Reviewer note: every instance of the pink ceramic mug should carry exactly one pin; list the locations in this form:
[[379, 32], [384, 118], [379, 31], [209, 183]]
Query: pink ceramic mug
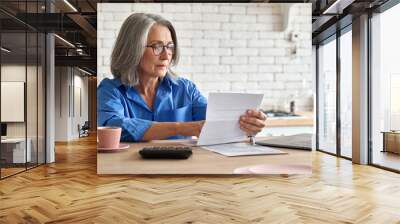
[[108, 137]]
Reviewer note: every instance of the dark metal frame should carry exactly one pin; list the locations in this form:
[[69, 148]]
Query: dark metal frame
[[338, 97], [37, 164], [387, 5], [335, 37]]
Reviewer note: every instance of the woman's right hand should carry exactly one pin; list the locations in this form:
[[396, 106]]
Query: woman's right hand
[[192, 128]]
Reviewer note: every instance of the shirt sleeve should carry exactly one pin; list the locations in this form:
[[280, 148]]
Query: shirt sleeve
[[112, 112], [199, 104]]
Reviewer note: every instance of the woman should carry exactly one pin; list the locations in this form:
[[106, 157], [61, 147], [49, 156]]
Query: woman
[[145, 98]]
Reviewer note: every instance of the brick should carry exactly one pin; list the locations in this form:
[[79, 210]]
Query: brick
[[120, 17], [120, 7], [235, 26], [271, 35], [106, 60], [287, 60], [216, 35], [207, 25], [272, 85], [233, 60], [185, 8], [269, 18], [261, 77], [185, 42], [205, 60], [244, 85], [146, 7], [288, 77], [260, 43], [306, 27], [270, 68], [273, 51], [304, 52], [205, 43], [216, 17], [205, 8], [243, 18], [234, 43], [183, 25], [190, 51], [108, 42], [244, 68], [206, 77], [244, 35], [237, 9], [260, 27], [185, 60], [221, 86], [234, 77], [104, 51], [280, 43], [187, 17], [296, 68], [100, 61], [218, 51], [261, 60], [104, 16], [192, 68], [189, 34], [305, 10], [100, 25], [245, 51], [307, 44], [259, 10], [276, 9], [217, 68], [112, 24], [292, 85]]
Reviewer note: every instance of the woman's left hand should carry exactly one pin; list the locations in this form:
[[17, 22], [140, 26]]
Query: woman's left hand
[[252, 122]]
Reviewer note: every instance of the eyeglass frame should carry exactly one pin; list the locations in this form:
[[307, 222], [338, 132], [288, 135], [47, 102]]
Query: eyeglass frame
[[164, 48]]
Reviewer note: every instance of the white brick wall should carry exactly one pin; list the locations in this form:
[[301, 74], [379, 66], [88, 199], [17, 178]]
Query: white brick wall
[[229, 47]]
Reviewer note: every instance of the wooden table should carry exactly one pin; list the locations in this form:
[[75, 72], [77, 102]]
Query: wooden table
[[201, 162], [391, 141], [306, 119]]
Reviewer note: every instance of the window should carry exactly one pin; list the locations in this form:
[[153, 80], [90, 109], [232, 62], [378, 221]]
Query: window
[[385, 86], [346, 75], [327, 97]]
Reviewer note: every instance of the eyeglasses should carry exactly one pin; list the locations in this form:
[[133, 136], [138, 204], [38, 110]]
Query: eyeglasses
[[159, 48]]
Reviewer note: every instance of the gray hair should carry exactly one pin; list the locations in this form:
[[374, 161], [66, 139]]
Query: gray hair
[[131, 43]]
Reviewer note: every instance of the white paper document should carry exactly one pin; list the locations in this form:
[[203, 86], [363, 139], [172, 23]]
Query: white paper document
[[222, 117], [243, 149]]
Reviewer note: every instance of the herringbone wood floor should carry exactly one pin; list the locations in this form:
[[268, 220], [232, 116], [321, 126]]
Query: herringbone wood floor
[[69, 191]]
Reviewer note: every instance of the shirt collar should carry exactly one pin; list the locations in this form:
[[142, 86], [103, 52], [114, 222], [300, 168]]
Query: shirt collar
[[164, 89]]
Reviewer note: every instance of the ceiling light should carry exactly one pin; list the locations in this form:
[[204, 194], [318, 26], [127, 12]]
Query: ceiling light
[[5, 50], [84, 71], [337, 7], [65, 41], [70, 5]]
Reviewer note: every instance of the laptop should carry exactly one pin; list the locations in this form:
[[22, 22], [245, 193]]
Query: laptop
[[299, 141]]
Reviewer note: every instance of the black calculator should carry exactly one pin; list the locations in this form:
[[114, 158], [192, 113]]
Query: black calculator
[[165, 152]]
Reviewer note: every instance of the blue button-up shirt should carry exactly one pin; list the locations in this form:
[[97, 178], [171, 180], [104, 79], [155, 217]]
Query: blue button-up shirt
[[177, 100]]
